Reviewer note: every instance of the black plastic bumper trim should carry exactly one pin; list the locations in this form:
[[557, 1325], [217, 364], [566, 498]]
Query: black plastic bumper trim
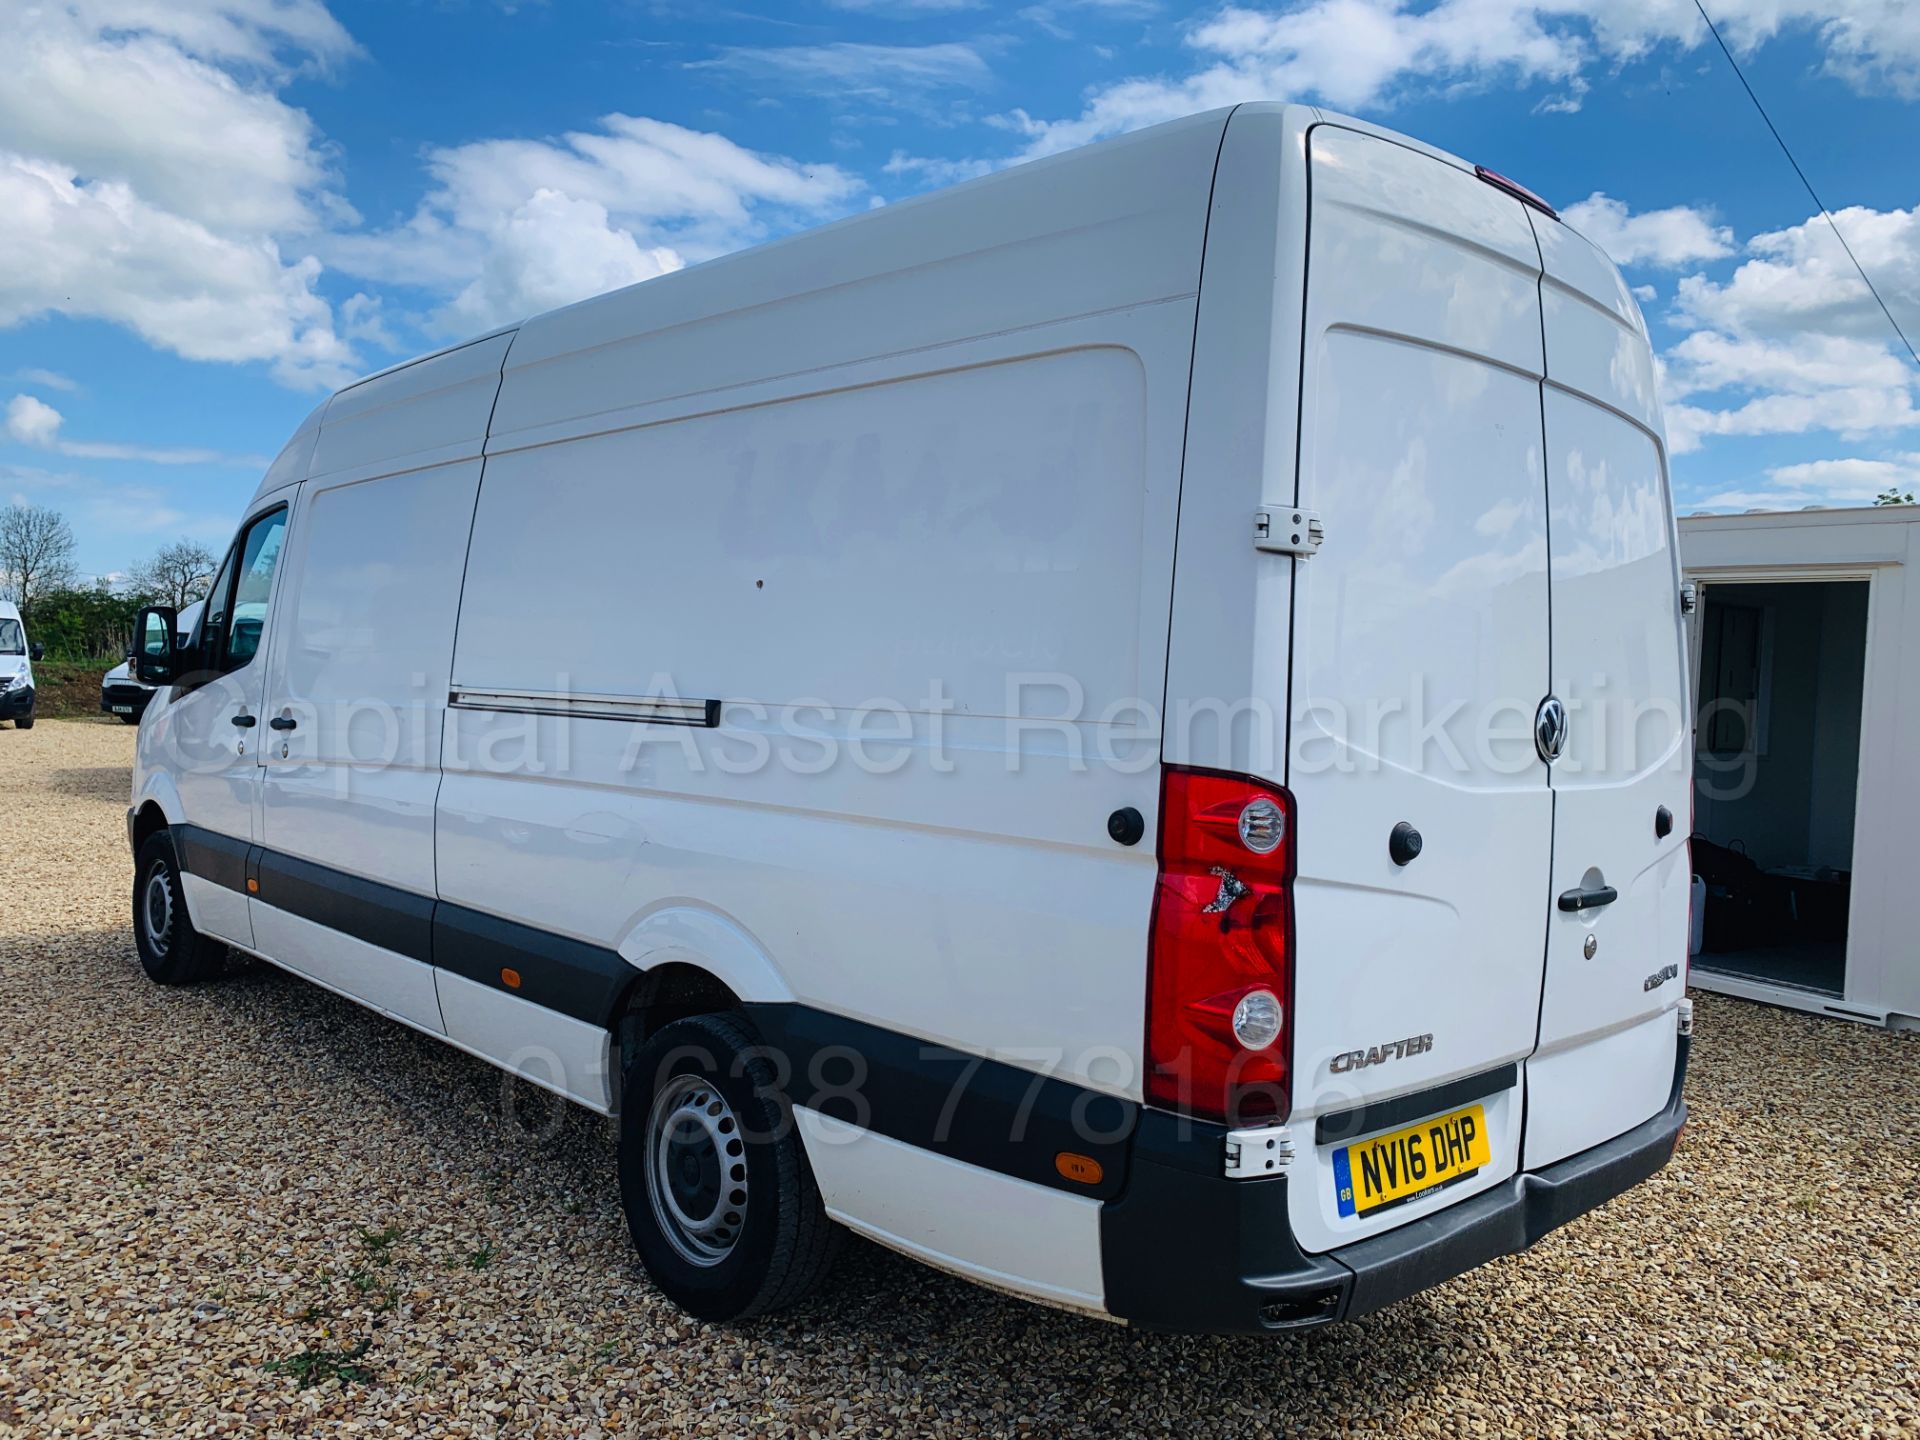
[[580, 980], [1405, 1109], [218, 859], [967, 1107], [1238, 1270], [576, 978], [368, 910], [17, 702]]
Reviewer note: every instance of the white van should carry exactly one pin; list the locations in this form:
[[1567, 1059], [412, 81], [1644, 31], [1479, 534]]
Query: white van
[[1117, 729], [16, 668]]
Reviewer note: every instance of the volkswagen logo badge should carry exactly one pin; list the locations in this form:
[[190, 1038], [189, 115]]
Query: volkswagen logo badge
[[1550, 728]]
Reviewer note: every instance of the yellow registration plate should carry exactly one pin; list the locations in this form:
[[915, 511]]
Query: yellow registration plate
[[1403, 1165]]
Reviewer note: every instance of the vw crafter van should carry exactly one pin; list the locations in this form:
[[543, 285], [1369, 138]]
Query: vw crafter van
[[1116, 729]]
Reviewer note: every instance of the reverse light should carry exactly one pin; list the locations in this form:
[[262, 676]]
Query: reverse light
[[1219, 977], [1263, 825], [1256, 1019]]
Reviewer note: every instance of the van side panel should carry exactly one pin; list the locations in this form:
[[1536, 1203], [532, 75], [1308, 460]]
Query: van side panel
[[924, 607], [900, 497]]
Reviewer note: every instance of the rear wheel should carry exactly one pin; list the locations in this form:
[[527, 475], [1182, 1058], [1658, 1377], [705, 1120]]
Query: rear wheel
[[718, 1194], [172, 952]]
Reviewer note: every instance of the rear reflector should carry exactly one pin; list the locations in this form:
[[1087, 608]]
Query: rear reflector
[[1219, 962], [1515, 189]]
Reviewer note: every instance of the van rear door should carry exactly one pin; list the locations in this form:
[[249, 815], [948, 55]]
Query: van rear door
[[1420, 655], [1617, 932]]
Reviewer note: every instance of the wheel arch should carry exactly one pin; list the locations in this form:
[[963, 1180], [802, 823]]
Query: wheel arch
[[690, 961]]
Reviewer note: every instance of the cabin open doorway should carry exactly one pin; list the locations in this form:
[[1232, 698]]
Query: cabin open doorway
[[1781, 668]]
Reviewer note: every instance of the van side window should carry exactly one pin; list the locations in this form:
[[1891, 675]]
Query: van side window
[[253, 587], [236, 610]]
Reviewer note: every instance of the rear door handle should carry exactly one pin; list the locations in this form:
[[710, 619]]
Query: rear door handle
[[1588, 899], [284, 722], [245, 722]]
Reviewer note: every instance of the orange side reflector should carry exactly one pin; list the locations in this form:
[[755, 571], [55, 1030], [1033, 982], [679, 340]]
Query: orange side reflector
[[510, 979], [1081, 1169], [253, 886]]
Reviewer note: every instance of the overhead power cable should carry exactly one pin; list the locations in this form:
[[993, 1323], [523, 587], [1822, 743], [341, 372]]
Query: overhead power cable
[[1827, 214]]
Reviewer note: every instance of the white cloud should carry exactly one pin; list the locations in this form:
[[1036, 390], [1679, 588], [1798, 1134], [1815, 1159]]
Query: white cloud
[[1801, 279], [96, 250], [933, 170], [33, 422], [1361, 54], [150, 176], [885, 73], [1851, 481], [136, 93], [512, 227], [46, 379], [1679, 235], [1793, 342]]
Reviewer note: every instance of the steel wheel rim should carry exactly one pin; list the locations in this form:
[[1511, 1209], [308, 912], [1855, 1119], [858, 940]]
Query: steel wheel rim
[[156, 909], [696, 1168]]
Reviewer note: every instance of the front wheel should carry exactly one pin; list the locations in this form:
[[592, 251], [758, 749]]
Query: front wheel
[[172, 952], [717, 1191], [24, 722]]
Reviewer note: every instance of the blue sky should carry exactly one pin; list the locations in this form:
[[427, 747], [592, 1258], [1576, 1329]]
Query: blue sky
[[214, 211]]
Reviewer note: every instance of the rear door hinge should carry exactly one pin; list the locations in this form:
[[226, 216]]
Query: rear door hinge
[[1280, 530]]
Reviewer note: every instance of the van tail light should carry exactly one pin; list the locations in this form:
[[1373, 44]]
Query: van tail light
[[1220, 954]]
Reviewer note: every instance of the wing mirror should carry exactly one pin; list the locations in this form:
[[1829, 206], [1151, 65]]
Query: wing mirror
[[156, 647], [37, 651]]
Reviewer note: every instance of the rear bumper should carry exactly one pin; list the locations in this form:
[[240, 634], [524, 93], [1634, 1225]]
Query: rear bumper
[[1186, 1249], [16, 702]]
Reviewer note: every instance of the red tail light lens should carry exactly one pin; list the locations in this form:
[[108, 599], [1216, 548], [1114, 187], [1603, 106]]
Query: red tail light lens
[[1220, 960]]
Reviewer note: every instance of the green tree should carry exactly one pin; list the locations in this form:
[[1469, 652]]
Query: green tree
[[82, 622], [1893, 497]]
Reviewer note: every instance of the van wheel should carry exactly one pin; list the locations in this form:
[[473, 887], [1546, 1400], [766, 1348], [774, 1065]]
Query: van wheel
[[172, 952], [24, 722], [719, 1197]]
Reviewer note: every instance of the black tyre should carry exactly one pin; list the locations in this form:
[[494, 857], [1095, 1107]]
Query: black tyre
[[719, 1197], [172, 952], [129, 719], [23, 722]]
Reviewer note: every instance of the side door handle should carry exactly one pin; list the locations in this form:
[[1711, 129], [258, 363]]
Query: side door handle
[[284, 722], [1588, 899], [245, 722]]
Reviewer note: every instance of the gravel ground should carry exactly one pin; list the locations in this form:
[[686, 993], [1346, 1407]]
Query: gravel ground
[[197, 1188]]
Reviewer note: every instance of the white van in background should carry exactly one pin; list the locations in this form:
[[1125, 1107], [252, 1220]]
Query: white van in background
[[1117, 729], [16, 668]]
